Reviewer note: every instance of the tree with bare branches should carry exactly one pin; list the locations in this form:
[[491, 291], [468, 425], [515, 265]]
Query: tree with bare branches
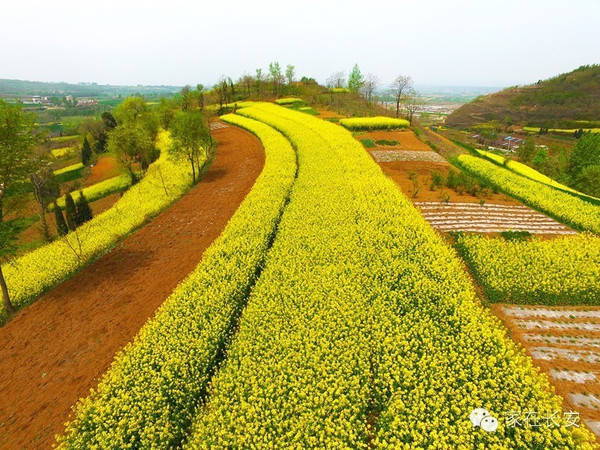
[[412, 103], [336, 80], [369, 86], [400, 87]]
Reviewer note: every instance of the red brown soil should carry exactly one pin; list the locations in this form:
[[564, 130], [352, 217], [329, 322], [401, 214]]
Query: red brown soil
[[326, 114], [407, 140], [106, 167], [399, 171], [563, 388], [56, 349]]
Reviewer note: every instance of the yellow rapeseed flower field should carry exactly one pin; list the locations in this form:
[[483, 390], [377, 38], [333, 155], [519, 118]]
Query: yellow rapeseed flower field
[[529, 172], [563, 206], [363, 314], [565, 270], [373, 123], [148, 397], [100, 189]]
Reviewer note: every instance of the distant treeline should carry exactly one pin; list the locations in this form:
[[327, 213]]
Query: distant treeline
[[21, 87]]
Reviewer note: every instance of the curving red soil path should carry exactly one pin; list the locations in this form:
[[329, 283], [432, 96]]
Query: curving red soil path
[[54, 351]]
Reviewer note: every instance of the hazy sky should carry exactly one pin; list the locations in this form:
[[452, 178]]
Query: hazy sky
[[459, 42]]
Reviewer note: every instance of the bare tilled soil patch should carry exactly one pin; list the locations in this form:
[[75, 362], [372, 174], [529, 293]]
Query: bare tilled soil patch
[[489, 218], [565, 343], [406, 140], [424, 172], [453, 209], [406, 155]]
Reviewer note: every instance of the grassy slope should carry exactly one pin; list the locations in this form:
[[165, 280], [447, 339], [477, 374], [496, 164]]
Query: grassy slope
[[566, 98]]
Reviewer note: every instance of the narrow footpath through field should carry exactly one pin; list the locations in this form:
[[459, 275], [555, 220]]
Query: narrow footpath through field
[[54, 351]]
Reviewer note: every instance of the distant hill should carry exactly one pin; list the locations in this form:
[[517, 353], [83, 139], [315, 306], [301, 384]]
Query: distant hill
[[10, 88], [568, 100]]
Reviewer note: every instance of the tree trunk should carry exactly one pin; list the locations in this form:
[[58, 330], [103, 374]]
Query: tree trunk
[[397, 106], [7, 304], [193, 170], [44, 223], [132, 175]]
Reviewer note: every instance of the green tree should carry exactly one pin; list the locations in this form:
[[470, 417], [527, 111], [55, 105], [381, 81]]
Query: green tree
[[84, 212], [134, 137], [61, 226], [17, 141], [355, 80], [107, 124], [86, 152], [17, 163], [186, 98], [130, 110], [108, 120], [259, 81], [166, 113], [540, 160], [275, 75], [586, 153], [70, 212], [289, 74], [132, 145], [190, 139], [526, 150], [588, 180], [200, 96]]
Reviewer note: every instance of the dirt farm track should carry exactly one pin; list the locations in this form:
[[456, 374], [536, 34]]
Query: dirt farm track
[[56, 349]]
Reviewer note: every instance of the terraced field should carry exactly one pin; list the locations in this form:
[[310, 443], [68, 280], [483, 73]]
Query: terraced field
[[358, 316], [565, 343], [327, 314], [412, 164], [489, 218]]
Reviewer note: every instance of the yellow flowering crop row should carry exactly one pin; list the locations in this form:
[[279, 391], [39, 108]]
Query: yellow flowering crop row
[[71, 168], [373, 123], [63, 151], [288, 100], [33, 273], [363, 329], [339, 90], [529, 172], [565, 207], [148, 396], [100, 189], [560, 271], [561, 130]]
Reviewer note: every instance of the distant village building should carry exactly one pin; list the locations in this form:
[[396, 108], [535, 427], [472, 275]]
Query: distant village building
[[511, 142], [86, 101], [35, 100]]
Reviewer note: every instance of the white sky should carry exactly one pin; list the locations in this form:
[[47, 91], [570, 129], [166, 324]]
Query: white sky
[[441, 42]]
